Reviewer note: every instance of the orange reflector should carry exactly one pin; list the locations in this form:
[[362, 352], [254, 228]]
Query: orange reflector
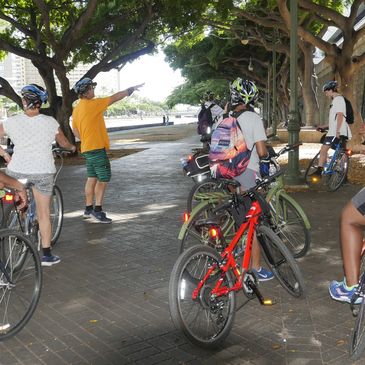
[[213, 232], [9, 198], [190, 157], [349, 152], [315, 179], [186, 217]]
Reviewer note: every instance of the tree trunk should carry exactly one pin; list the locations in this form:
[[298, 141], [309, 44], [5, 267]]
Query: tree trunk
[[347, 73], [310, 105]]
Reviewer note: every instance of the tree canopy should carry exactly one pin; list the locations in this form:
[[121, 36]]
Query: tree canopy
[[57, 35]]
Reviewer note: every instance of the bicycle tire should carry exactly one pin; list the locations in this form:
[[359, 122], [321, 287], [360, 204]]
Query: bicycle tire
[[339, 174], [205, 321], [206, 186], [56, 214], [289, 222], [357, 341], [193, 236], [311, 168], [281, 261], [20, 296]]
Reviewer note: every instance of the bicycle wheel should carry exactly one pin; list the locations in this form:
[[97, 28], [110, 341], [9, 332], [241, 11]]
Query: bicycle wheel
[[357, 342], [313, 165], [193, 234], [20, 286], [204, 187], [206, 321], [339, 171], [56, 214], [281, 261], [290, 224]]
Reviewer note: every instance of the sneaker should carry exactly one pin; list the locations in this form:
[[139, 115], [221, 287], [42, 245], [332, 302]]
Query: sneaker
[[50, 260], [100, 217], [339, 291], [263, 274], [317, 173], [87, 214]]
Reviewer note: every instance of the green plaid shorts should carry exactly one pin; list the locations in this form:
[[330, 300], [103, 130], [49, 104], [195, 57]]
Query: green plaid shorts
[[98, 165]]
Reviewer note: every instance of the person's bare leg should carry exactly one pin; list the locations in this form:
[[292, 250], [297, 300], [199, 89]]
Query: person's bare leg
[[255, 253], [351, 235], [90, 190], [43, 214], [100, 188], [323, 155]]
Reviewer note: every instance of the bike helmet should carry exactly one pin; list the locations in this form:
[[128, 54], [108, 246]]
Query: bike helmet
[[82, 86], [34, 95], [330, 85], [243, 91]]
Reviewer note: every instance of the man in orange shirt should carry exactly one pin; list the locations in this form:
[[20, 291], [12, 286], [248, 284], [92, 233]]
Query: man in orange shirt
[[88, 125]]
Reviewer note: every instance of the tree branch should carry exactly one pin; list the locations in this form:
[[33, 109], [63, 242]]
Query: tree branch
[[22, 52], [72, 34], [8, 91], [17, 25], [44, 9], [324, 12]]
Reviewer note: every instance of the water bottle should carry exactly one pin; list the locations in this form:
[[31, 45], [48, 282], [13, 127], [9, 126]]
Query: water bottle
[[183, 161]]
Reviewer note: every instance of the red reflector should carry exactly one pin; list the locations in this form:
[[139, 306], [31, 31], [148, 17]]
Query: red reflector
[[213, 232], [186, 217], [9, 198], [190, 157], [349, 152]]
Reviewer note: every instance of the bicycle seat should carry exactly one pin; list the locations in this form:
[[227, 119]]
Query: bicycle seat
[[206, 223]]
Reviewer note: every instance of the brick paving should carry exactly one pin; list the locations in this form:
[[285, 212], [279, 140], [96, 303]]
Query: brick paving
[[107, 301]]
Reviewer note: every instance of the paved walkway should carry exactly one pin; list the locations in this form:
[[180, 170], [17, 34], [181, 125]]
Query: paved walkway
[[107, 302]]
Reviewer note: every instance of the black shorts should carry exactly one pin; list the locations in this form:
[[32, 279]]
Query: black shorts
[[334, 141], [359, 201]]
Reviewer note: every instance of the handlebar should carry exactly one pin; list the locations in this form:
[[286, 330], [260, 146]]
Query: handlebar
[[288, 148], [61, 150]]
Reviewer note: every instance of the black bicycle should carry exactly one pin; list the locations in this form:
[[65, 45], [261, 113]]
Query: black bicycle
[[20, 282]]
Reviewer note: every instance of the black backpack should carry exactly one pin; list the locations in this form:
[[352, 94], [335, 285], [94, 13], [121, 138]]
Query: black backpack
[[349, 112], [205, 119]]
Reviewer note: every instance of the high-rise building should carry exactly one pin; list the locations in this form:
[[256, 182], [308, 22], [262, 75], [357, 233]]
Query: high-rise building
[[20, 71]]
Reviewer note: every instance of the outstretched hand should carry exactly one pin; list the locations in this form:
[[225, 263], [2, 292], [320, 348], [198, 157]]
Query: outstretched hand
[[137, 87]]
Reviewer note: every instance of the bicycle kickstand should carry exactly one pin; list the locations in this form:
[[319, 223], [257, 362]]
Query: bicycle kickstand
[[259, 296]]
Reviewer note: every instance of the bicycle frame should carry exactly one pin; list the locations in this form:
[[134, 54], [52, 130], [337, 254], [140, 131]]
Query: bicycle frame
[[229, 262], [328, 166], [277, 190]]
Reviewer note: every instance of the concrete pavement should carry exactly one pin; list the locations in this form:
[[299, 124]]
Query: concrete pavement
[[107, 301]]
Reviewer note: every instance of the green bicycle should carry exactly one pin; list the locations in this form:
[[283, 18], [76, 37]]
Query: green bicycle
[[210, 198]]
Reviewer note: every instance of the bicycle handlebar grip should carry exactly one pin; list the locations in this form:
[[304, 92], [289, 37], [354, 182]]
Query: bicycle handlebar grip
[[60, 150]]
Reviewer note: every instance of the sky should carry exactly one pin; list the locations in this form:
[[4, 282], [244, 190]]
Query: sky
[[159, 78]]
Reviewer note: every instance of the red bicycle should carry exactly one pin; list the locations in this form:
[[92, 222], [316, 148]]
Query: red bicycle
[[203, 282]]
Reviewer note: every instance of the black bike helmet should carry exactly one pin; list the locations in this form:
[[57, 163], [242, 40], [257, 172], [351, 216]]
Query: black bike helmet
[[34, 95], [82, 86], [330, 85], [243, 91]]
